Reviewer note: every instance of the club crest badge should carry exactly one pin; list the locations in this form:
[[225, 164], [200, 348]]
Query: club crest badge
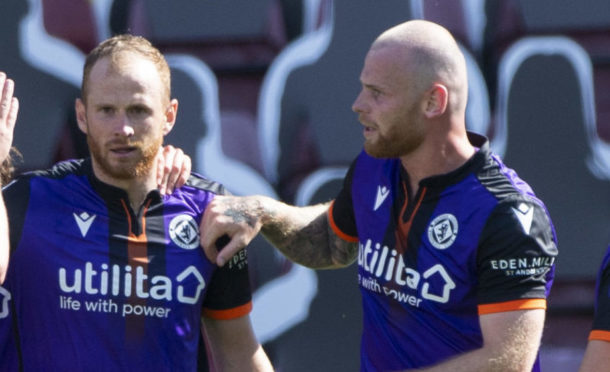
[[184, 232], [442, 231]]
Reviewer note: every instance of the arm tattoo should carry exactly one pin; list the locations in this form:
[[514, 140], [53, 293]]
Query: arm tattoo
[[308, 239], [246, 210], [239, 217]]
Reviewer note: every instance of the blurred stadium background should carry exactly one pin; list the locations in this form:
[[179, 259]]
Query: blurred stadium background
[[265, 90]]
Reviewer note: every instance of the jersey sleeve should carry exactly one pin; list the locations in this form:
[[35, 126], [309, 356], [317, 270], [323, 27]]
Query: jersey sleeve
[[16, 198], [601, 319], [229, 295], [516, 258], [341, 212]]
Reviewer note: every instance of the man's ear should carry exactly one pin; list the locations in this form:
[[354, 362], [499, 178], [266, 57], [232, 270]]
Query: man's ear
[[437, 99], [81, 115], [170, 116]]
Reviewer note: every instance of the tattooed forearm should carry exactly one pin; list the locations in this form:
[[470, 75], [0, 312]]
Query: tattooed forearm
[[344, 253], [241, 212], [307, 245], [304, 236]]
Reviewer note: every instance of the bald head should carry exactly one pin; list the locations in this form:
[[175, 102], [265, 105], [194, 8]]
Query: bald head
[[430, 55]]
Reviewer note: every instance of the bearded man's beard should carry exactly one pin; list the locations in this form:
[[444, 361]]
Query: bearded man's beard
[[129, 168]]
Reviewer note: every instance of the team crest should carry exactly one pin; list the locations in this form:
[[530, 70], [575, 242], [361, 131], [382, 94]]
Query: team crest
[[442, 231], [183, 231]]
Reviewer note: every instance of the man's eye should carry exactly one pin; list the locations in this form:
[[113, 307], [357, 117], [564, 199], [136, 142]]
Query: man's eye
[[138, 110]]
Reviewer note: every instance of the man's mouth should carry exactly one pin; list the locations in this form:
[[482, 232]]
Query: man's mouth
[[123, 150]]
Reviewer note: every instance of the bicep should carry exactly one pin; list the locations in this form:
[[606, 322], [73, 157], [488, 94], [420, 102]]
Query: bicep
[[513, 337], [233, 344], [597, 354], [230, 334]]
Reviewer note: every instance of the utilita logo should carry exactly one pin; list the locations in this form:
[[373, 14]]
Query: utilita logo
[[387, 264], [118, 280]]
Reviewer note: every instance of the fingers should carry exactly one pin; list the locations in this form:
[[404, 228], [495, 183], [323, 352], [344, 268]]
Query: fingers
[[186, 171], [221, 236], [221, 249], [5, 99], [173, 169], [210, 251], [9, 107], [8, 104], [229, 250], [209, 233], [166, 157], [12, 114], [160, 166]]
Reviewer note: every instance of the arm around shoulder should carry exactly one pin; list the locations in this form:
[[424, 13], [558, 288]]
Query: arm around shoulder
[[305, 236], [302, 234]]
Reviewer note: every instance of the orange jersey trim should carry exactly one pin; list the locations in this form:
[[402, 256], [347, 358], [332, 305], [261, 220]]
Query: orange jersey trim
[[341, 234], [227, 314], [599, 335], [525, 304]]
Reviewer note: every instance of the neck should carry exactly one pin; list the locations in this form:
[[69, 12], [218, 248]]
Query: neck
[[136, 188], [437, 156]]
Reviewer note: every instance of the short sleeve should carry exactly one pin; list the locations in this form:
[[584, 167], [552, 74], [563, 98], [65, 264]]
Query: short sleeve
[[341, 211], [229, 295], [516, 258], [601, 320], [16, 199]]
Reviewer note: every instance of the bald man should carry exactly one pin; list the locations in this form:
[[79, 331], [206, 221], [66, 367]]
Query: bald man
[[455, 253]]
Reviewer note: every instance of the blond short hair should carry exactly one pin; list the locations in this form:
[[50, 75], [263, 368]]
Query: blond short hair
[[127, 43]]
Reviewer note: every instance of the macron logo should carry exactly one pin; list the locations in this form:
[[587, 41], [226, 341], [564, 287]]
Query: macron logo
[[84, 221], [382, 194], [525, 215]]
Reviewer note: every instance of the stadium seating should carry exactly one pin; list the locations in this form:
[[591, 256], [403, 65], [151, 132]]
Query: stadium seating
[[266, 89], [331, 326], [544, 127], [78, 26], [45, 89], [586, 22], [464, 18], [308, 91]]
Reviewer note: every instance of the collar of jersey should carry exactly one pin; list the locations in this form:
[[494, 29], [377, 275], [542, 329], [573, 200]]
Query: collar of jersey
[[481, 144], [112, 193]]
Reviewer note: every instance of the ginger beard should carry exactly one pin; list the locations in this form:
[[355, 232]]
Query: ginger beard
[[125, 115], [399, 135], [127, 168]]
